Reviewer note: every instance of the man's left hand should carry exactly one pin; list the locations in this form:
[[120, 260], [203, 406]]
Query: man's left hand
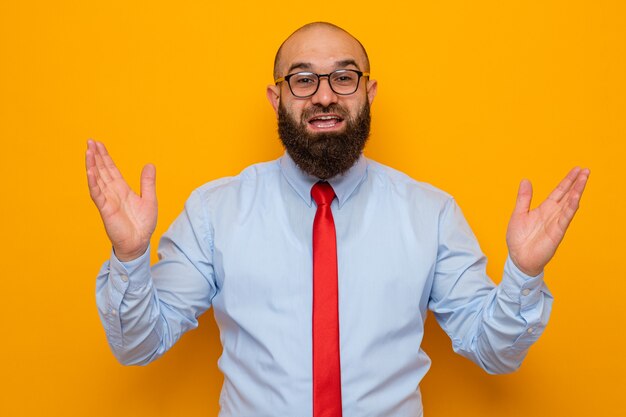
[[534, 235]]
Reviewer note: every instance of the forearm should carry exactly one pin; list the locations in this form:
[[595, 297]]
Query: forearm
[[146, 310], [129, 309], [511, 318]]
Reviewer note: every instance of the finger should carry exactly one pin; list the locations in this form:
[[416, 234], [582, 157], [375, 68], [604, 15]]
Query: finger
[[92, 172], [90, 162], [583, 178], [524, 197], [89, 158], [90, 169], [95, 190], [148, 182], [95, 182], [100, 166], [107, 161], [576, 193], [573, 200], [565, 185]]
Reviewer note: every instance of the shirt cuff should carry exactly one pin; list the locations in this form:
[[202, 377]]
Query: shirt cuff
[[131, 274], [522, 288]]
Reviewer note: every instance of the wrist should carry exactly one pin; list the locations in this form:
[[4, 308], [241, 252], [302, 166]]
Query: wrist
[[127, 256], [531, 272]]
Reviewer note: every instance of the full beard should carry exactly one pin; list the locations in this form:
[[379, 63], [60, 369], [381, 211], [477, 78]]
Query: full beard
[[324, 155]]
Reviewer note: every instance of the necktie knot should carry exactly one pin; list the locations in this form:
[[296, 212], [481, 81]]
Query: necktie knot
[[322, 193]]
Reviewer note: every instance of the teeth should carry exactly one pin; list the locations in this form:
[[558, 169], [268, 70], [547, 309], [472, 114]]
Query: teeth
[[326, 118]]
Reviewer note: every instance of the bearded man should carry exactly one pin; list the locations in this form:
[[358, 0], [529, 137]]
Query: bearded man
[[321, 265]]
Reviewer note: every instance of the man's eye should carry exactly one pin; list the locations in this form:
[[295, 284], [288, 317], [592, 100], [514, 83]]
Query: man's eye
[[344, 79], [305, 80]]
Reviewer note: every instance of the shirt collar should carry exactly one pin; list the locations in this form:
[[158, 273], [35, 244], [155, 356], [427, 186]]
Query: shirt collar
[[344, 184]]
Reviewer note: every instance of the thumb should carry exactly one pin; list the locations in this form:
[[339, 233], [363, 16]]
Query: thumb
[[148, 182], [524, 197]]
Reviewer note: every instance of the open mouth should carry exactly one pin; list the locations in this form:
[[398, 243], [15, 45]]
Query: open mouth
[[325, 121]]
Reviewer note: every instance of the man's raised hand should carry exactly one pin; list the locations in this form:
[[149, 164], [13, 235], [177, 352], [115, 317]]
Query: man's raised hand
[[534, 235], [129, 219]]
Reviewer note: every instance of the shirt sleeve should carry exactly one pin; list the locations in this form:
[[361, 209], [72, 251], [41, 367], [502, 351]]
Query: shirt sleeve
[[494, 326], [145, 310]]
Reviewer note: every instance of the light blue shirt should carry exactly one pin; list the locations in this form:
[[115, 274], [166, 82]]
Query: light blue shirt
[[242, 245]]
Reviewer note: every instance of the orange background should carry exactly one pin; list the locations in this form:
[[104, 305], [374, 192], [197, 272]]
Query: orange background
[[473, 96]]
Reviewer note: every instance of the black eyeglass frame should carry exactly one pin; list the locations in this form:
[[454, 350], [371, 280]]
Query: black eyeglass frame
[[319, 79]]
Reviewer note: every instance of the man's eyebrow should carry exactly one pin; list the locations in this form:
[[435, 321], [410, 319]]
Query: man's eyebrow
[[307, 66], [299, 65], [345, 63]]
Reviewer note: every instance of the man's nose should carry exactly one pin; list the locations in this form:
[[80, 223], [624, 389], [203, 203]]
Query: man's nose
[[324, 95]]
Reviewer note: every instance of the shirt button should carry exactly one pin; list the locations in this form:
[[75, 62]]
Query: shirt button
[[124, 278], [114, 312], [525, 291], [530, 330]]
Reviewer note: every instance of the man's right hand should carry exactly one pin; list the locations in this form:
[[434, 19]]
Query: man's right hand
[[129, 219]]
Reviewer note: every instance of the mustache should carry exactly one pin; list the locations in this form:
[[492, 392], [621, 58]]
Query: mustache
[[317, 109]]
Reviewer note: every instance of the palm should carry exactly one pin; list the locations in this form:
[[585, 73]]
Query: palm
[[534, 235], [129, 219]]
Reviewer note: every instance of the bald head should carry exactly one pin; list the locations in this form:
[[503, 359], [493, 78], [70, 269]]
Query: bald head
[[318, 34]]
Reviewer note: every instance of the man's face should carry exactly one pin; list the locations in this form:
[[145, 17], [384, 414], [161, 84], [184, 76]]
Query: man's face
[[325, 133]]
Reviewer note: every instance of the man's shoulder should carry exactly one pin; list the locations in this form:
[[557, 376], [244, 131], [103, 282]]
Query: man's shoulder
[[402, 183], [251, 175]]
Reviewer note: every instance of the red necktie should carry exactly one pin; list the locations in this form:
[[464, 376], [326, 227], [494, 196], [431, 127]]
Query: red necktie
[[326, 365]]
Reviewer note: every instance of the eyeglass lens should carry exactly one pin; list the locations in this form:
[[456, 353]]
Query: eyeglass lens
[[305, 84]]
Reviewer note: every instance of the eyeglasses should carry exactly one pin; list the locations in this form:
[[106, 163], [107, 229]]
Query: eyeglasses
[[304, 84]]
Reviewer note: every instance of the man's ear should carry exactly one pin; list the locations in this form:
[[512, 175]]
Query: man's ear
[[372, 88], [273, 95]]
